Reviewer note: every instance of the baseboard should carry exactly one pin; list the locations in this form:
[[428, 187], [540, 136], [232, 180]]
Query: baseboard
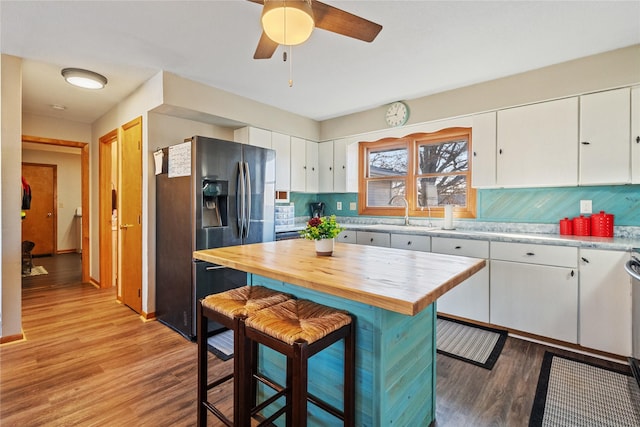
[[94, 282], [147, 317], [11, 338], [67, 251]]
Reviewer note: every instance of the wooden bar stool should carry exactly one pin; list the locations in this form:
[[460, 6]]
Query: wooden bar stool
[[228, 308], [299, 329]]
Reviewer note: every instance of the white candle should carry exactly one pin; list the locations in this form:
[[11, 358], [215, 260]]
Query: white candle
[[448, 217]]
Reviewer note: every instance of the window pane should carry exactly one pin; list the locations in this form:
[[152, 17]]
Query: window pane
[[380, 192], [442, 190], [391, 162], [444, 157]]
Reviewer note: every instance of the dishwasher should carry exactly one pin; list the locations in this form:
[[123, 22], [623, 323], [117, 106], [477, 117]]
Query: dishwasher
[[633, 268]]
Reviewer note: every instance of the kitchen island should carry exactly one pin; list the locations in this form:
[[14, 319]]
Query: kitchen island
[[391, 292]]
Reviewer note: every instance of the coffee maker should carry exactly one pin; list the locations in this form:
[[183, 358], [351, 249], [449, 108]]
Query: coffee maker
[[317, 209]]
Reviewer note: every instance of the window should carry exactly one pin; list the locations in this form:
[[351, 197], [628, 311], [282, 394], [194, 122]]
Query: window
[[428, 170]]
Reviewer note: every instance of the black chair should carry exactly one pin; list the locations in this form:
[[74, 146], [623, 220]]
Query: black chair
[[27, 258]]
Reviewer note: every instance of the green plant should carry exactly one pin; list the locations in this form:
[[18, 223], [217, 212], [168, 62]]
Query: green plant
[[321, 228]]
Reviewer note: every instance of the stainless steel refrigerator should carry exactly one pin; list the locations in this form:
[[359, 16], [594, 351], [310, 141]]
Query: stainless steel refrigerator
[[211, 193]]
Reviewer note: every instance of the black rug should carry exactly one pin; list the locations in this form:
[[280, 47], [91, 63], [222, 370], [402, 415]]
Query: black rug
[[575, 393], [221, 344], [469, 342]]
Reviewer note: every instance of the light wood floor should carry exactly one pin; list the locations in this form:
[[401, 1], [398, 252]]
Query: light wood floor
[[88, 360]]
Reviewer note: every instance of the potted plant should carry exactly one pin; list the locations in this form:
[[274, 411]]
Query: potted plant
[[322, 230]]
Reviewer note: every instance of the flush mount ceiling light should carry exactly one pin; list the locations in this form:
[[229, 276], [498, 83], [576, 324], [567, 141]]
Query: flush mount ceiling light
[[84, 78], [287, 22]]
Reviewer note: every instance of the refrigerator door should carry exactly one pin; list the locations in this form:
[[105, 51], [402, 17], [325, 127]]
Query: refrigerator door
[[260, 199], [215, 165]]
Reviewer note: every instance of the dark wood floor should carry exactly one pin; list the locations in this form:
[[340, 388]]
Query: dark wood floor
[[88, 360]]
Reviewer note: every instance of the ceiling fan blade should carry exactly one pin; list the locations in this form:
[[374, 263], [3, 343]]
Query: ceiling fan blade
[[338, 21], [266, 47]]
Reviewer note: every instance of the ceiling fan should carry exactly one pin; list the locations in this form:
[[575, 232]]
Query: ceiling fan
[[318, 15]]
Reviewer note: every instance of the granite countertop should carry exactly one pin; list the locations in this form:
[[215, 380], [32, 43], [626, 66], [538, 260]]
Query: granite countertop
[[625, 238]]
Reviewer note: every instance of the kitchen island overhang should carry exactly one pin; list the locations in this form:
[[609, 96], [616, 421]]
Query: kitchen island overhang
[[391, 292]]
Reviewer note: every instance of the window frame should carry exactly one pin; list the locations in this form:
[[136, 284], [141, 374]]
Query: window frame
[[411, 143]]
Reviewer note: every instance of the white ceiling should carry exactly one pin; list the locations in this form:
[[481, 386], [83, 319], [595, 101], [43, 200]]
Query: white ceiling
[[425, 47]]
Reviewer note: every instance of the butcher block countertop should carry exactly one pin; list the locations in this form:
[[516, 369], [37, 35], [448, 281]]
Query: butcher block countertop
[[402, 281]]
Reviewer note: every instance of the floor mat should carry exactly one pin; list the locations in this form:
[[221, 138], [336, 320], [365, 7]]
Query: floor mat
[[36, 270], [578, 394], [469, 342], [221, 344]]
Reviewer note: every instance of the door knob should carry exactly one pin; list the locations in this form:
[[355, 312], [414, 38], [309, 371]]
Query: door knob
[[49, 214], [123, 226]]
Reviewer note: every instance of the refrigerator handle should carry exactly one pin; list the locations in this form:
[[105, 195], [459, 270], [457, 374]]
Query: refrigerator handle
[[240, 200], [247, 212]]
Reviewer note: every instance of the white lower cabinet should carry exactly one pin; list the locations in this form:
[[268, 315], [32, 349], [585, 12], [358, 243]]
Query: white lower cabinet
[[346, 236], [373, 238], [605, 301], [532, 297], [470, 299], [410, 242]]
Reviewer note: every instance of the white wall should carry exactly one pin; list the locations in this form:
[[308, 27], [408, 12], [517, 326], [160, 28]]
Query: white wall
[[10, 200], [54, 128], [68, 191], [607, 70]]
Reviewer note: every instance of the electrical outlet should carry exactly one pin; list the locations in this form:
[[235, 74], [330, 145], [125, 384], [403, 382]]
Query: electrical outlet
[[585, 206], [352, 206], [339, 206]]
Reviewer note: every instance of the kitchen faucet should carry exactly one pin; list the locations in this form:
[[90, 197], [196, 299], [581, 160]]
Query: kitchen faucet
[[406, 207]]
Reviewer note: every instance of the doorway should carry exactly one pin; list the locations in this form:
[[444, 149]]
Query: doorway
[[84, 188], [108, 207]]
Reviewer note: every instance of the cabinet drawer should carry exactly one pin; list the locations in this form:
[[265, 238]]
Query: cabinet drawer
[[373, 238], [412, 243], [347, 236], [463, 247], [560, 256]]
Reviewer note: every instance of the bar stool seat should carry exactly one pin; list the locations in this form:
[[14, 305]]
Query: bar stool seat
[[228, 308], [299, 329]]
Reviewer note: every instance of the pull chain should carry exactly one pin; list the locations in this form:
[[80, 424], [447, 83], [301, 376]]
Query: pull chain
[[290, 66]]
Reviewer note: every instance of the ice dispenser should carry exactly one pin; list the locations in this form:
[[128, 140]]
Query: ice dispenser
[[215, 196]]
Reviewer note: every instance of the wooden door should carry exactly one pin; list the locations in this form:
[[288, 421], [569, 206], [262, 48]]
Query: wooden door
[[130, 215], [108, 179], [39, 226]]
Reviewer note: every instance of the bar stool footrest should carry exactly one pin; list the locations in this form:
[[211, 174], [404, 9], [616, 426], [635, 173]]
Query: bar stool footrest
[[219, 381]]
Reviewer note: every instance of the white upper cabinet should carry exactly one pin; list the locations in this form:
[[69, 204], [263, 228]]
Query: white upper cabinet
[[298, 164], [304, 165], [282, 145], [325, 166], [538, 145], [340, 165], [253, 136], [604, 137], [635, 135], [483, 145]]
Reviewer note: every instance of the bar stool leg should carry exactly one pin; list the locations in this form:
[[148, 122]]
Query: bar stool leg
[[350, 377], [243, 358], [202, 329], [299, 384]]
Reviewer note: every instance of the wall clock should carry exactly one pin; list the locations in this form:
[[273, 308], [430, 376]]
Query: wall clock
[[397, 114]]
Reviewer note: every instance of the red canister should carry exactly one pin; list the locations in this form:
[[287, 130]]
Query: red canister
[[602, 224], [566, 227], [582, 226]]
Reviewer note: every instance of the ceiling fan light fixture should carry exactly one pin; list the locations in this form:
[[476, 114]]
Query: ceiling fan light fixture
[[287, 22], [84, 78]]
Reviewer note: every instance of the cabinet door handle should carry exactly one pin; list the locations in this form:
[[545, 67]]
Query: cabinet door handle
[[372, 239], [530, 254], [330, 168], [345, 236], [409, 243], [500, 151], [585, 260], [572, 273], [637, 139], [474, 154], [458, 247], [585, 143]]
